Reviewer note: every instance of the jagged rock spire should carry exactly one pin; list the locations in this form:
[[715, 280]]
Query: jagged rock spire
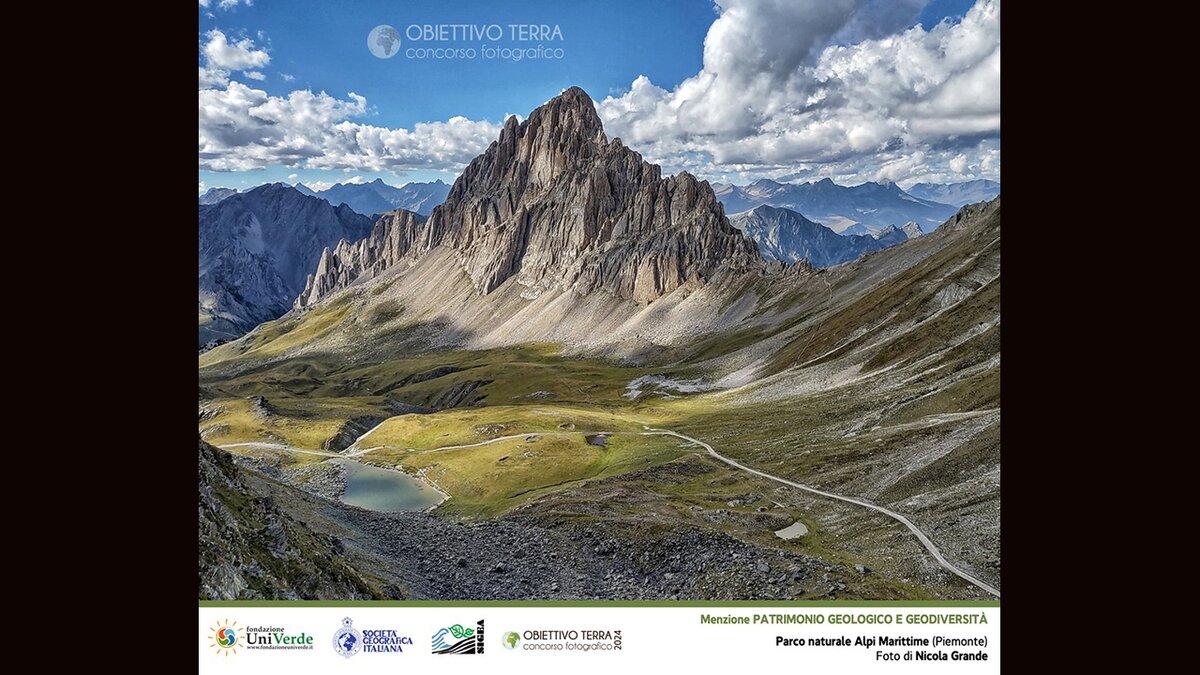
[[554, 203]]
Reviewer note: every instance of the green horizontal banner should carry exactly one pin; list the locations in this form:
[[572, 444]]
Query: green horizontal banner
[[598, 603]]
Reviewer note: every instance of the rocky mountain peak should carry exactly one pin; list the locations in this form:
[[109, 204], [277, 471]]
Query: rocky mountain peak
[[257, 247], [554, 204], [560, 135], [570, 111], [767, 210], [216, 194], [912, 230], [788, 236]]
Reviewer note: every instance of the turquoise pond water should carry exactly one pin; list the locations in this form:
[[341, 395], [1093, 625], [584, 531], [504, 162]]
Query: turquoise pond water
[[384, 490]]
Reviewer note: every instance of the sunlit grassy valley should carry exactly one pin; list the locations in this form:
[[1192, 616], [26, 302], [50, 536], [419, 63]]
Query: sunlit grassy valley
[[878, 380]]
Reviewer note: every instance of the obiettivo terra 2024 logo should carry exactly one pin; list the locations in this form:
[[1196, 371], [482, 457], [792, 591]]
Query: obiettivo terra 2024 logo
[[571, 640], [459, 640], [225, 637]]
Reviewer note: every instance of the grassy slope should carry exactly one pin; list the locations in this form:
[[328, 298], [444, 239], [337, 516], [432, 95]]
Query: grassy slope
[[585, 396], [297, 422], [493, 479], [830, 437], [275, 337], [212, 327], [515, 373], [904, 297], [696, 490], [275, 555], [471, 425]]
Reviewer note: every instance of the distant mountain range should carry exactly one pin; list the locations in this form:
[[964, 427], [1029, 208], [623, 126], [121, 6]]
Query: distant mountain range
[[783, 234], [257, 249], [365, 198], [216, 194], [957, 194], [859, 209], [378, 197], [275, 247]]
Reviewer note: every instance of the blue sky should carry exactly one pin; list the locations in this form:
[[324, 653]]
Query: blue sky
[[647, 59]]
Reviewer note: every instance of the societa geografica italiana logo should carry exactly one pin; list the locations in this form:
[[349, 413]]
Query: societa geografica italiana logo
[[458, 640], [347, 641], [225, 637]]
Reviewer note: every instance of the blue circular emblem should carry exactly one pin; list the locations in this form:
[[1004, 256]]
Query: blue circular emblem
[[347, 641]]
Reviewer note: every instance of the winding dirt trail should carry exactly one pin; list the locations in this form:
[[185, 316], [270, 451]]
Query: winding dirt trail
[[353, 451], [921, 536]]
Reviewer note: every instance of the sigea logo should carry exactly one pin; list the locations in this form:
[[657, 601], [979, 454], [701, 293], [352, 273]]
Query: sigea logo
[[459, 640]]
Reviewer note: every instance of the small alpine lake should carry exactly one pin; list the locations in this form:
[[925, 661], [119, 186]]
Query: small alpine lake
[[385, 490]]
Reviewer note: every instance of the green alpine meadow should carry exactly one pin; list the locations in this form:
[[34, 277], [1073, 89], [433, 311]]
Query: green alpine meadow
[[572, 373]]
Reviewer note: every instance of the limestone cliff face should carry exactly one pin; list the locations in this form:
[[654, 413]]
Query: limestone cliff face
[[555, 204], [256, 248], [391, 238]]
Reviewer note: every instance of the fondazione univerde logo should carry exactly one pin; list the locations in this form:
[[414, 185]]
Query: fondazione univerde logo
[[349, 641], [225, 637], [457, 639]]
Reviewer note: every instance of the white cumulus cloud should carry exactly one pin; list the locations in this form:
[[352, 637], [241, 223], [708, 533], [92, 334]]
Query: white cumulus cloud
[[813, 88], [213, 77], [243, 128], [219, 52]]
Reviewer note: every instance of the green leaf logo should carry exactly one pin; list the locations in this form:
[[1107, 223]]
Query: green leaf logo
[[459, 632]]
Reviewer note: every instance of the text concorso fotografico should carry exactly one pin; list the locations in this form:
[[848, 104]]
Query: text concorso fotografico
[[429, 36]]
